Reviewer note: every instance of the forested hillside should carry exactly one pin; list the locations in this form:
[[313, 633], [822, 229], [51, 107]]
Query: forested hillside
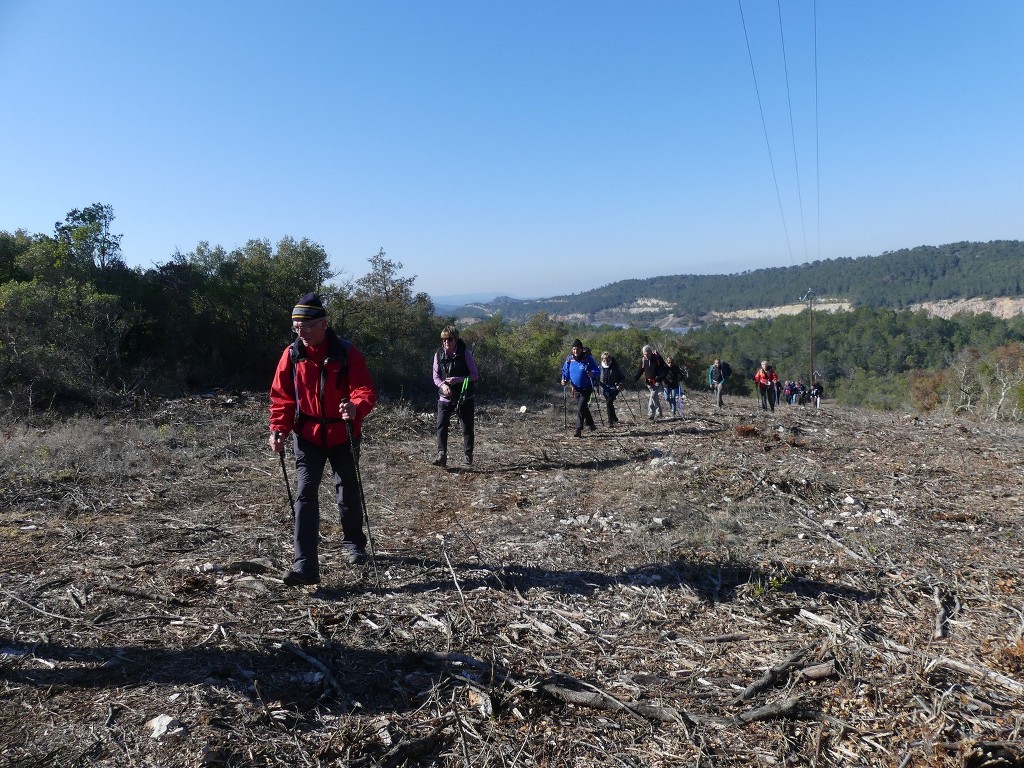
[[80, 330], [896, 279]]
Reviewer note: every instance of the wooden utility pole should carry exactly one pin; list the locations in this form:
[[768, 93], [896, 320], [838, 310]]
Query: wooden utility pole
[[809, 297]]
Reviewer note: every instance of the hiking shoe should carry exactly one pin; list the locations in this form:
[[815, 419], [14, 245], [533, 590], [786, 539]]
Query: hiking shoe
[[469, 459], [296, 579], [356, 556], [577, 433], [441, 460], [592, 427]]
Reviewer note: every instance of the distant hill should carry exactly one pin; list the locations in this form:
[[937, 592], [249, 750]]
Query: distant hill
[[452, 303], [896, 279]]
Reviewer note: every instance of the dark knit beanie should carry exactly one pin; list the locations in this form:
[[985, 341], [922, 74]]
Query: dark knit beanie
[[577, 343], [309, 308]]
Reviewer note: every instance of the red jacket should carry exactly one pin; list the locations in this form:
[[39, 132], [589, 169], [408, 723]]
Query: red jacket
[[325, 376], [765, 378]]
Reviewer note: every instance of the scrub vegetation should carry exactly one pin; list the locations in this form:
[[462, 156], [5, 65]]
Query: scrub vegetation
[[80, 331]]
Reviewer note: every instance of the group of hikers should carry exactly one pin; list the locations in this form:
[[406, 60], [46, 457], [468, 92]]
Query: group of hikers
[[583, 376], [322, 391], [773, 391]]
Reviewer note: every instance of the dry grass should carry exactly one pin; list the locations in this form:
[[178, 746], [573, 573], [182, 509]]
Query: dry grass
[[730, 589]]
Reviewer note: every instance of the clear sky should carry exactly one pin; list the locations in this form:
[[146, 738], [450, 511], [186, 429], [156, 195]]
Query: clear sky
[[525, 147]]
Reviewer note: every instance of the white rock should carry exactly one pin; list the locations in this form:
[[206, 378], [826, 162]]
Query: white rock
[[163, 725]]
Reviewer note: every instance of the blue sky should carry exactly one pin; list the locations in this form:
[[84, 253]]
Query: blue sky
[[530, 148]]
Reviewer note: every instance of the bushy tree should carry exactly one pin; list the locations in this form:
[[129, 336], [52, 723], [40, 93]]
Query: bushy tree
[[12, 249], [391, 325], [59, 343]]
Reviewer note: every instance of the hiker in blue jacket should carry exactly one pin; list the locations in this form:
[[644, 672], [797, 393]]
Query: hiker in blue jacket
[[580, 370]]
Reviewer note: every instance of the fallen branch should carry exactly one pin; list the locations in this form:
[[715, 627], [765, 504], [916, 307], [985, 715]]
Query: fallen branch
[[779, 709], [985, 674], [941, 617], [17, 599], [770, 677], [342, 693], [408, 749], [601, 700]]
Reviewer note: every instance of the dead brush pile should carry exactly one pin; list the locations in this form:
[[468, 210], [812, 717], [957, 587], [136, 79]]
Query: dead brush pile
[[733, 588]]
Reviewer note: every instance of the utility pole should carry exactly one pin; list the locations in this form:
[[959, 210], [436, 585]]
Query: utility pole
[[809, 297]]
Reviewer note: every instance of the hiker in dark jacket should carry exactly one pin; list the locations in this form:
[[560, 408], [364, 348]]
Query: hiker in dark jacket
[[455, 376], [652, 368], [321, 392], [580, 370], [718, 374], [673, 375], [612, 382]]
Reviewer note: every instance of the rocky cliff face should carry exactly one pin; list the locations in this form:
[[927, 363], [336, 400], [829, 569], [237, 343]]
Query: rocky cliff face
[[658, 313]]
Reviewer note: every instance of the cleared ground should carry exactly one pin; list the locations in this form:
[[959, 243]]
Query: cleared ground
[[732, 588]]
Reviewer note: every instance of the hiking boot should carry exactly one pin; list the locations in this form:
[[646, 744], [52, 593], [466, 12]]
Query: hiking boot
[[592, 427], [356, 556], [296, 579], [441, 460], [577, 433], [469, 459]]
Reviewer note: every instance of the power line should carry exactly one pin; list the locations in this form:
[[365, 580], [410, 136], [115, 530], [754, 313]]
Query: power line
[[792, 129], [817, 153], [764, 127]]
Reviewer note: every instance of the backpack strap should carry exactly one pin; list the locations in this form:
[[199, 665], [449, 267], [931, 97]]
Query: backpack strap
[[337, 350]]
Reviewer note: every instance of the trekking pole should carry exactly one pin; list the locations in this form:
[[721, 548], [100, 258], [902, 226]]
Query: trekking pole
[[461, 400], [597, 401], [284, 471], [362, 500], [565, 411], [629, 407]]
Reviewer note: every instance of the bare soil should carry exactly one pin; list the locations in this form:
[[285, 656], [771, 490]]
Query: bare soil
[[731, 588]]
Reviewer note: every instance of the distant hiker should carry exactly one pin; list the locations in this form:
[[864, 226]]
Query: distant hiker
[[652, 368], [799, 392], [767, 380], [612, 382], [580, 370], [321, 392], [673, 375], [455, 376], [817, 392], [718, 374]]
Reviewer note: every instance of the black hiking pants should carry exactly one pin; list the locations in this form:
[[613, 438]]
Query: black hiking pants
[[609, 403], [445, 410], [583, 414], [310, 460]]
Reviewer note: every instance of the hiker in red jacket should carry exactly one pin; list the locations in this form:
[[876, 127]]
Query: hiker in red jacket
[[321, 392], [767, 382]]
